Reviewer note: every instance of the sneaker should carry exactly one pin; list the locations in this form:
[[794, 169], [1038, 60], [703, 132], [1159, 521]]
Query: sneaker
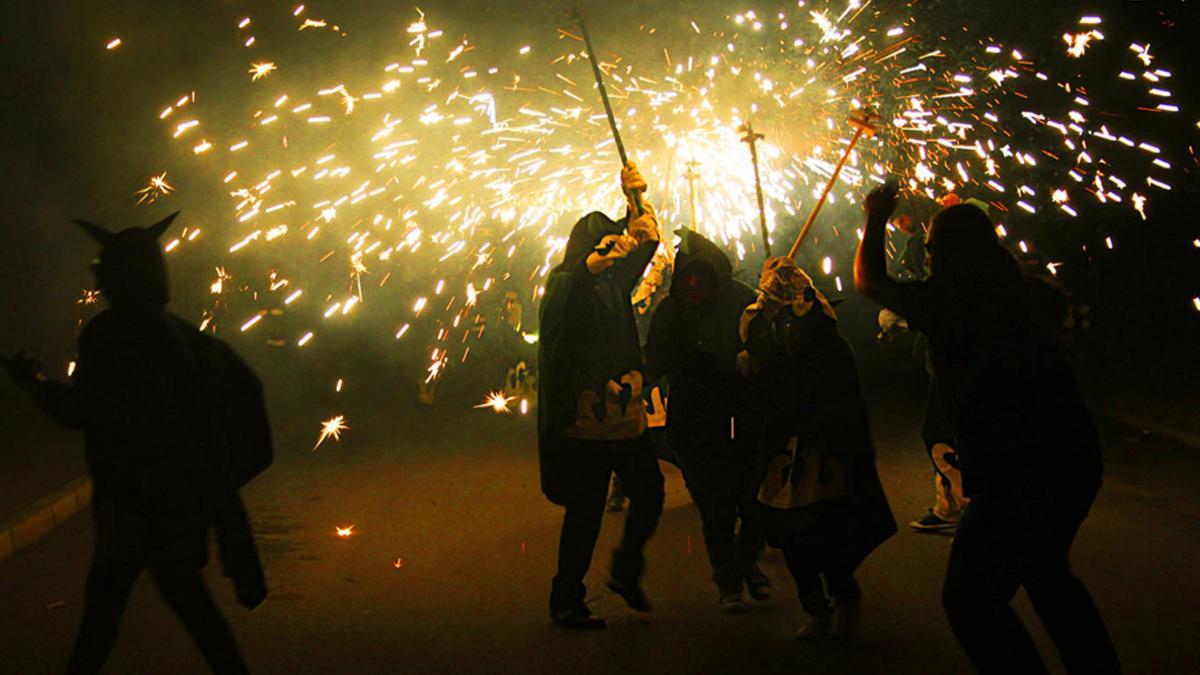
[[579, 618], [616, 502], [759, 586], [846, 616], [931, 522], [633, 595], [814, 628], [731, 602]]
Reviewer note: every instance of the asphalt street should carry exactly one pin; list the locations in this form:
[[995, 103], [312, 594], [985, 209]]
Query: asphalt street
[[448, 564]]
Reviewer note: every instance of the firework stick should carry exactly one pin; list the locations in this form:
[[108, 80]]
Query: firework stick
[[751, 138], [862, 125], [612, 121], [691, 177]]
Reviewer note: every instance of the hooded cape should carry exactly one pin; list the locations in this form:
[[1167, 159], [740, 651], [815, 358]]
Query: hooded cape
[[821, 482], [589, 358], [696, 347], [175, 422]]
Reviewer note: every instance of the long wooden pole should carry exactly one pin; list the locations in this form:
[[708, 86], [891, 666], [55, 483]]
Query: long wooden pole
[[812, 216], [612, 120], [751, 138]]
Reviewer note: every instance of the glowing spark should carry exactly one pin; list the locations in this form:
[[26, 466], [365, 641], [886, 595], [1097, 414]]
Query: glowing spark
[[331, 428], [498, 402], [1139, 204], [261, 70], [344, 530], [113, 44], [157, 187], [1078, 43]]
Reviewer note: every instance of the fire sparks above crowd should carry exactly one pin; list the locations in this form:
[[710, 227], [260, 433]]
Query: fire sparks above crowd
[[424, 189]]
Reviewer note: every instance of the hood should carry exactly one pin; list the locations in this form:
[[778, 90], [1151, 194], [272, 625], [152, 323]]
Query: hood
[[587, 233], [130, 269], [699, 256], [964, 248]]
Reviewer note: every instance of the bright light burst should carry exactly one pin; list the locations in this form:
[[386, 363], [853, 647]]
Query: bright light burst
[[498, 402], [157, 187], [332, 428], [261, 70]]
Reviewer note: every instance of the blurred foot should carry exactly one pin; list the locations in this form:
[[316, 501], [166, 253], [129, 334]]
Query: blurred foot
[[814, 628], [579, 618], [846, 616], [633, 595], [759, 585], [731, 602], [616, 501], [933, 523]]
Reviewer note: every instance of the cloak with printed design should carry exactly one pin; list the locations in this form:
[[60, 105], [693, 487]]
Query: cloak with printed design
[[590, 371]]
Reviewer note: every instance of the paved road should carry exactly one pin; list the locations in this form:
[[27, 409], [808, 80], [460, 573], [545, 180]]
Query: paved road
[[453, 547]]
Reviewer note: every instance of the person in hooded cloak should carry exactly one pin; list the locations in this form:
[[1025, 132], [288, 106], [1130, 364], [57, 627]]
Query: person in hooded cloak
[[822, 502], [175, 422], [591, 414], [693, 340], [1029, 452]]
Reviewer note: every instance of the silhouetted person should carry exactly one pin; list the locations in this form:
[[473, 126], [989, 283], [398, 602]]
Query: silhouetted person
[[591, 416], [822, 503], [693, 340], [1030, 456], [911, 264], [175, 423]]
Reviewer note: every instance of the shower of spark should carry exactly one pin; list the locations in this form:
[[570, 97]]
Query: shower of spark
[[415, 191]]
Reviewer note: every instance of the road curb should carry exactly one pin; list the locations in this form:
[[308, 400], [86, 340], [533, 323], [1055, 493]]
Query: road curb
[[42, 516]]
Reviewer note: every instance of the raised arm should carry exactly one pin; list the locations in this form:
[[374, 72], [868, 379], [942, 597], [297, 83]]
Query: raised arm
[[870, 264], [631, 252]]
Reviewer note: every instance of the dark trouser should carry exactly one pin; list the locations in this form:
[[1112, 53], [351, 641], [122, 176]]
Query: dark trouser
[[182, 587], [637, 467], [725, 491], [840, 583], [1001, 547], [936, 426]]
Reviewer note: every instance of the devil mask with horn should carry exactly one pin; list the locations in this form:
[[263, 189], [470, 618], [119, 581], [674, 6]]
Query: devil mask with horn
[[130, 269]]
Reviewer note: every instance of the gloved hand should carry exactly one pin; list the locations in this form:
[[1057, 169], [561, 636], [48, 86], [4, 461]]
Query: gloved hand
[[612, 248]]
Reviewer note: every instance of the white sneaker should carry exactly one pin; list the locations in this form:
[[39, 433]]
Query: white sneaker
[[845, 619], [731, 603], [814, 628]]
